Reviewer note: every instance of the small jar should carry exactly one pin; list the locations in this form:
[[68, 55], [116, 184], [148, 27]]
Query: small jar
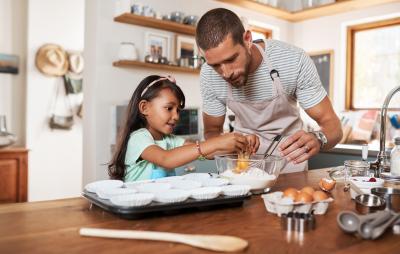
[[395, 158], [127, 51], [356, 168]]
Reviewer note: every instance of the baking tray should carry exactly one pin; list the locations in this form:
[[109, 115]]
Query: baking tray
[[155, 208]]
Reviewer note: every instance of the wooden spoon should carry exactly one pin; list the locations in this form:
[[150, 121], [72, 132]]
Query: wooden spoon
[[210, 242]]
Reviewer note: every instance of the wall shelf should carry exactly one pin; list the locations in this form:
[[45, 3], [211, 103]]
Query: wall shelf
[[339, 6], [135, 64], [133, 19]]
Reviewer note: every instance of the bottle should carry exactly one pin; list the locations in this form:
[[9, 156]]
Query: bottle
[[395, 158]]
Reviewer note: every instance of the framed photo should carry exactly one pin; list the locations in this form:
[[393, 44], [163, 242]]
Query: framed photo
[[9, 64], [158, 44], [323, 60], [185, 46]]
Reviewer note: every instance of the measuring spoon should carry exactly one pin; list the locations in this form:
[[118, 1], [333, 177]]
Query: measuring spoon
[[366, 228], [349, 221], [378, 231]]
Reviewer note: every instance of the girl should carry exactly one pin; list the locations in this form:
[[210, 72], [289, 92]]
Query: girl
[[146, 149]]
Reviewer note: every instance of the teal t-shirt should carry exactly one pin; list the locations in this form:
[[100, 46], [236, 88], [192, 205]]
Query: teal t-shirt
[[138, 169]]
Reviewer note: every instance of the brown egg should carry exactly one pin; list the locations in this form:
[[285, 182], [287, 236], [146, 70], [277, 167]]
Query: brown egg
[[304, 197], [308, 189], [327, 184], [291, 193], [319, 195]]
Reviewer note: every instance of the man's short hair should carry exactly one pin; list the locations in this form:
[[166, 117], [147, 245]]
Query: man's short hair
[[215, 25]]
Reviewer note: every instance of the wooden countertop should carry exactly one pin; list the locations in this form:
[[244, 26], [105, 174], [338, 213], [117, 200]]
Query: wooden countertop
[[52, 227]]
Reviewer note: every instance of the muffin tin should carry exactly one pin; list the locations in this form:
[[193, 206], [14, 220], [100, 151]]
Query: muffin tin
[[276, 203], [164, 197]]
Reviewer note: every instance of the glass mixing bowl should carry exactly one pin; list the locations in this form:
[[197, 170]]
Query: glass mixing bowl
[[261, 174]]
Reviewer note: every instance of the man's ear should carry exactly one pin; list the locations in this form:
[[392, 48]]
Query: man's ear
[[143, 107], [248, 39]]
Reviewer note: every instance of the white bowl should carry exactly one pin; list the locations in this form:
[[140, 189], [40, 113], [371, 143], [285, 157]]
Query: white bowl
[[362, 183]]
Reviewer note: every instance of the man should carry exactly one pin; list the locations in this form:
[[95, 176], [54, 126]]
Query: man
[[261, 84]]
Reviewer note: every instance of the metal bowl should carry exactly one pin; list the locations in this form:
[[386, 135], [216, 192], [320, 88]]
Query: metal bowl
[[369, 203], [391, 196]]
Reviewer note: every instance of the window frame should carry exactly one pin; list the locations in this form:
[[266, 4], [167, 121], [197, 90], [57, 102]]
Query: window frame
[[267, 32], [351, 31]]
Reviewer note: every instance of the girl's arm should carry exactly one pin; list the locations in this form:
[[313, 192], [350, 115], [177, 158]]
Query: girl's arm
[[170, 159]]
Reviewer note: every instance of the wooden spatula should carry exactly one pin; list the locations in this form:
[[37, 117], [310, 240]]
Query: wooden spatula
[[209, 242]]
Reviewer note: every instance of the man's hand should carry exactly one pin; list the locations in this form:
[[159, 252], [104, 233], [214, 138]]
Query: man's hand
[[253, 143], [300, 146]]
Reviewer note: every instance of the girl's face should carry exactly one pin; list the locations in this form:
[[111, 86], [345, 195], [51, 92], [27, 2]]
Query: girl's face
[[162, 113]]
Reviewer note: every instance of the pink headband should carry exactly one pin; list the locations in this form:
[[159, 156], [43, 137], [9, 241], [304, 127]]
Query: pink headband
[[170, 78]]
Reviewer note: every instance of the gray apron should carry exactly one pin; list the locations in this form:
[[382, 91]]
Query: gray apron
[[270, 117]]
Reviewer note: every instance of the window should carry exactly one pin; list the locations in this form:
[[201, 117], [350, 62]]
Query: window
[[373, 64], [260, 33]]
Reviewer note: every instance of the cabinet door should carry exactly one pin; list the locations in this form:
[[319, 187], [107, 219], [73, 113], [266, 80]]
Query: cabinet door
[[8, 180]]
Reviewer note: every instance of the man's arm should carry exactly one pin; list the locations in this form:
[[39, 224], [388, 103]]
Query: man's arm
[[328, 121], [213, 125], [303, 145]]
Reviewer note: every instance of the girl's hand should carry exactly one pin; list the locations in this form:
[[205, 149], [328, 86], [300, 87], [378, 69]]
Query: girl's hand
[[231, 142], [253, 143]]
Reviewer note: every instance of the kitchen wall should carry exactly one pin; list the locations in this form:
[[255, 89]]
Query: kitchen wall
[[55, 156], [108, 85], [13, 19]]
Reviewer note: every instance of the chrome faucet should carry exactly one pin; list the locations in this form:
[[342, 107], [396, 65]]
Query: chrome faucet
[[379, 165]]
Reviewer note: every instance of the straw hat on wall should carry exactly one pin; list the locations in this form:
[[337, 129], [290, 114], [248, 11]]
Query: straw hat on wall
[[52, 60]]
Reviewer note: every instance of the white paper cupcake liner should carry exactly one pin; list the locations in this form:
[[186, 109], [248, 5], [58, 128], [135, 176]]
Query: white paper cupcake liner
[[172, 196], [214, 182], [205, 193], [197, 176], [153, 187], [107, 193], [133, 200], [134, 184], [235, 190], [103, 184], [185, 184], [168, 179]]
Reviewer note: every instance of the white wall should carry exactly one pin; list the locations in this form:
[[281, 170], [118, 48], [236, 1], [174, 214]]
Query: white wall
[[55, 157], [330, 33], [108, 85], [12, 87]]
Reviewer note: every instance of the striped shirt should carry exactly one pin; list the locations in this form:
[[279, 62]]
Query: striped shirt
[[298, 74]]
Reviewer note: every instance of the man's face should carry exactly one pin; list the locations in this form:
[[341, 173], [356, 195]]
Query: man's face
[[230, 60]]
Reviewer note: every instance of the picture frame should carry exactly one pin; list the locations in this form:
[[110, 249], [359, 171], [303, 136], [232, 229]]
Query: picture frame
[[323, 60], [9, 63], [186, 46], [158, 44]]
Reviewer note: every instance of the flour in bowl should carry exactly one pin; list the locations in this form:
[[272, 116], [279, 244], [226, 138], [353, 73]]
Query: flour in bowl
[[255, 177]]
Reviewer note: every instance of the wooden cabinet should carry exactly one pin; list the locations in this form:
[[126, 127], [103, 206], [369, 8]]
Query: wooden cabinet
[[13, 175]]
